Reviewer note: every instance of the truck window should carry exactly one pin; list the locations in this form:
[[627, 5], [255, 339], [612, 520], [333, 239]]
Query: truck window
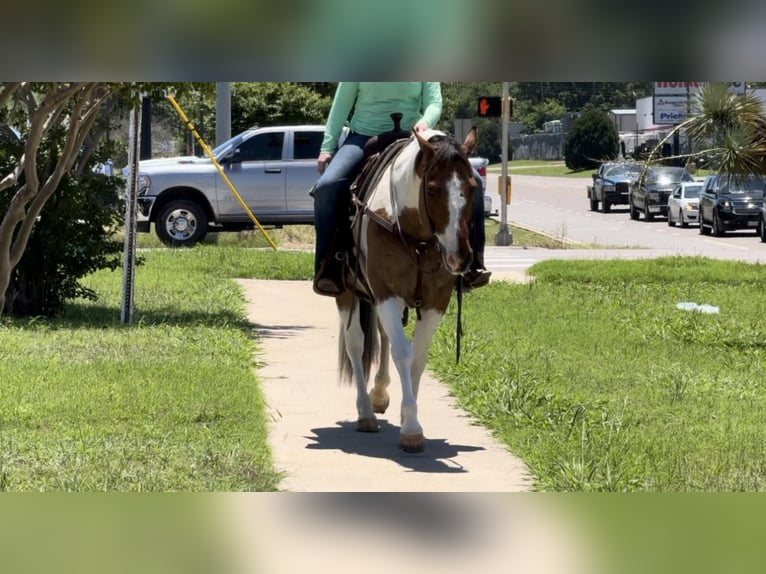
[[307, 144], [261, 147]]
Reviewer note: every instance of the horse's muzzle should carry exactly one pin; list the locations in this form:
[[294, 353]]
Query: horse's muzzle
[[457, 263]]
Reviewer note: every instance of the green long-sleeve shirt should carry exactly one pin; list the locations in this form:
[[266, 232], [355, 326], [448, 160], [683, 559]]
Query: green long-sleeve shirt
[[374, 102]]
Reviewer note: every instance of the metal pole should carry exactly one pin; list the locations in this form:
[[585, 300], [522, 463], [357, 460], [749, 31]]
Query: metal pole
[[129, 256], [504, 236], [222, 112]]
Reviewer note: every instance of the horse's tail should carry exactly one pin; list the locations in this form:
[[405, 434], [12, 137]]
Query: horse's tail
[[368, 319]]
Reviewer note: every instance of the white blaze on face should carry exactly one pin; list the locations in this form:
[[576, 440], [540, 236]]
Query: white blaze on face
[[448, 238]]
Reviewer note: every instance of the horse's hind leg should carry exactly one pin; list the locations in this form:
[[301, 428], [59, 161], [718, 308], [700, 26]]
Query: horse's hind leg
[[379, 393], [352, 339]]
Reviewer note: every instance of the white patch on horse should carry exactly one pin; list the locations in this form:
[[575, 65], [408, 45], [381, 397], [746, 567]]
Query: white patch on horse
[[449, 237]]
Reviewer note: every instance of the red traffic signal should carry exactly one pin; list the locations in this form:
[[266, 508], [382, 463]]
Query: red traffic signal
[[490, 107]]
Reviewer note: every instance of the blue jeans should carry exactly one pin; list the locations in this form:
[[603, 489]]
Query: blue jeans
[[331, 200], [331, 193]]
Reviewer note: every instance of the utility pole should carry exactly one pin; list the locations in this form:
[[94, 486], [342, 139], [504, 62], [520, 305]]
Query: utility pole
[[504, 235], [222, 112]]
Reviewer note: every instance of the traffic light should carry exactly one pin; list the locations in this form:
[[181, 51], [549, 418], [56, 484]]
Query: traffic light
[[492, 107]]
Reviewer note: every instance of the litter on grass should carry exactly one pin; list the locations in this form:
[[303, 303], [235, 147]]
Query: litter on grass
[[703, 308]]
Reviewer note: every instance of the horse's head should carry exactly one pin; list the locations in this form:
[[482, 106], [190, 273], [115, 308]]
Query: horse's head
[[447, 194]]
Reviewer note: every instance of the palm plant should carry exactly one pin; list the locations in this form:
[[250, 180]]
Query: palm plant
[[728, 129]]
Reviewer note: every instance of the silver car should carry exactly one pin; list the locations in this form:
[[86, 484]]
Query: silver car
[[683, 204], [480, 165]]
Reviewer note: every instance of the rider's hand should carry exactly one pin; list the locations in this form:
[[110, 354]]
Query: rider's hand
[[323, 161], [421, 126]]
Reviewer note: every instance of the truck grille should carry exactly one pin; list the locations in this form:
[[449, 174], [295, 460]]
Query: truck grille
[[746, 207]]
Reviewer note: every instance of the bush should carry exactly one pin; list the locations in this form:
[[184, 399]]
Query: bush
[[592, 139], [71, 238]]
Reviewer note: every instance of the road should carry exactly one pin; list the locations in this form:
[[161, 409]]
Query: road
[[558, 206]]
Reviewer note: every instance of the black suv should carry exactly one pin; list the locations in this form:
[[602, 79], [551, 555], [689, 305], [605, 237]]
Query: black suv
[[730, 202], [650, 195]]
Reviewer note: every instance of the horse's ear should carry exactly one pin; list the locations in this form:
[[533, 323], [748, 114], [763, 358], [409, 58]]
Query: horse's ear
[[470, 141], [425, 145]]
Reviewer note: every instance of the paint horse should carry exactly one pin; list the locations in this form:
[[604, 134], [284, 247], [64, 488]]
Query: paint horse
[[411, 246]]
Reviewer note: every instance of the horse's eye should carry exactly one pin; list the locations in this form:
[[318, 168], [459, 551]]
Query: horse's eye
[[432, 189]]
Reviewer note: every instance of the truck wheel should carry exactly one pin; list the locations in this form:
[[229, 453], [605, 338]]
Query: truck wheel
[[762, 230], [633, 211], [703, 230], [671, 221], [593, 204], [181, 223], [606, 207], [648, 216], [718, 229]]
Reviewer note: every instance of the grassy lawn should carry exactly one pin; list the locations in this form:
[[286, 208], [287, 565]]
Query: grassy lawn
[[590, 374], [594, 377], [171, 403], [539, 167]]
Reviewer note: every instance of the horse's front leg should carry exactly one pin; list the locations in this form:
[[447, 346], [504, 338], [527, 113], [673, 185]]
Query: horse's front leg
[[379, 393], [352, 344], [423, 337], [390, 316]]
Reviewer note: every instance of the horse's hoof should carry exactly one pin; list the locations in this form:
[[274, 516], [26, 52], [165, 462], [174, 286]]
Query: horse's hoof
[[367, 424], [379, 403], [412, 443]]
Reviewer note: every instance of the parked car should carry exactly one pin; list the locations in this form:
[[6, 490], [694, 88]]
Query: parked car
[[683, 204], [272, 168], [612, 183], [730, 202], [650, 195], [480, 165]]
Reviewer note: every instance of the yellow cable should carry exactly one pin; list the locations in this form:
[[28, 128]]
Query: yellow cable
[[220, 169]]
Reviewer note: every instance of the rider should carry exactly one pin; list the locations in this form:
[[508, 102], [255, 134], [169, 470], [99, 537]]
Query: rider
[[370, 105]]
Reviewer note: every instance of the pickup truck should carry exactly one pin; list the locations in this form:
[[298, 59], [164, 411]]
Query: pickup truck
[[273, 169], [650, 195], [612, 183]]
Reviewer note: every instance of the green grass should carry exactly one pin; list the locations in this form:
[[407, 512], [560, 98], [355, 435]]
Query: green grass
[[171, 403], [589, 373], [593, 377], [539, 167]]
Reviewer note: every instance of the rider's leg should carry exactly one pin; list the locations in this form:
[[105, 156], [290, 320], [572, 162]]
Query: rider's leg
[[330, 205], [477, 275]]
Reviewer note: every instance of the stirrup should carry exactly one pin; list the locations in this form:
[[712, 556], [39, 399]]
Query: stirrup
[[329, 279], [475, 278]]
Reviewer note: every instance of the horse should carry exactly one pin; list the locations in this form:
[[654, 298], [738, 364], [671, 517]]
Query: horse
[[411, 247]]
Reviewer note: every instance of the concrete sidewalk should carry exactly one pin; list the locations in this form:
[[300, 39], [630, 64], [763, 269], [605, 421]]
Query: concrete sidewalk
[[313, 435]]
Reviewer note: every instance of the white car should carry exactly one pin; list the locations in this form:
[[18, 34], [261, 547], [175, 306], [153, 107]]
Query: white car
[[480, 165], [683, 204]]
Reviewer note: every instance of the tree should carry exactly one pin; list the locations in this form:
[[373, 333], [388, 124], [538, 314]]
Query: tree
[[275, 103], [593, 138], [729, 131], [59, 129]]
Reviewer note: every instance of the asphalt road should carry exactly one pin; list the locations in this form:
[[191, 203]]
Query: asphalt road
[[558, 206]]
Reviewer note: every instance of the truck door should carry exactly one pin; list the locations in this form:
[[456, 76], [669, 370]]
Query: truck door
[[256, 168], [302, 172]]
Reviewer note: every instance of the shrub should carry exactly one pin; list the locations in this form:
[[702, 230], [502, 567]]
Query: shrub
[[592, 139], [71, 238]]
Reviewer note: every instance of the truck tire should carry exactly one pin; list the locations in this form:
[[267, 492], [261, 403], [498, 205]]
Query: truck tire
[[606, 207], [718, 229], [633, 210], [181, 223], [762, 230], [593, 204], [648, 215]]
